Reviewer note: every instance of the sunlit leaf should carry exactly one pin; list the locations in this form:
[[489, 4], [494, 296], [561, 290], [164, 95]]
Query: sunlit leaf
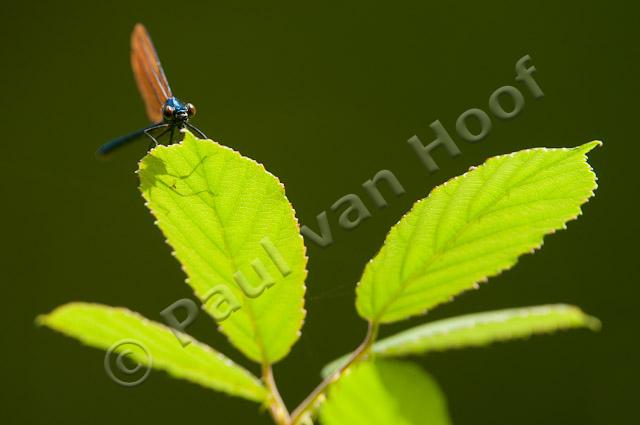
[[222, 213], [384, 393], [484, 328], [479, 329], [473, 227], [107, 327]]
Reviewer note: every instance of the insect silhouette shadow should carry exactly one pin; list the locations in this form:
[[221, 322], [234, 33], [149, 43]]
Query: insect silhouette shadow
[[156, 167]]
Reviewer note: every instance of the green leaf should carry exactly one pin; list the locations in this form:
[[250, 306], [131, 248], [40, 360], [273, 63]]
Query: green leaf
[[473, 227], [383, 393], [484, 328], [222, 212], [479, 329], [105, 327]]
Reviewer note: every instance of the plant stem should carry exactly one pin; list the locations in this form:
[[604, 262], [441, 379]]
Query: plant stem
[[277, 408], [359, 354]]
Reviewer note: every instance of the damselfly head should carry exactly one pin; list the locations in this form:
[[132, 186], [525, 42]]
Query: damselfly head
[[176, 112]]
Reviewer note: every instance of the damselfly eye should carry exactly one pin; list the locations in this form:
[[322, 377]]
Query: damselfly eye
[[191, 110], [167, 111]]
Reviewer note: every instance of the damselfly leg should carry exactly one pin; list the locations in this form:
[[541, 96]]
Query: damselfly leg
[[197, 130]]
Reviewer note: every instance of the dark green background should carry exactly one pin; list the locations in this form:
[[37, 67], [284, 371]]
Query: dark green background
[[324, 96]]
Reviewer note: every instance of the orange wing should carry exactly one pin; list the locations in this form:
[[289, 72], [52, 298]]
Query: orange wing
[[148, 73]]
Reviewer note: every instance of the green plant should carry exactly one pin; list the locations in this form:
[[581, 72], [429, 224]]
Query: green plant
[[216, 208]]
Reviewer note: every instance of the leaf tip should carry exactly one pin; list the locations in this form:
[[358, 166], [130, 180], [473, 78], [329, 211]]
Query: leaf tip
[[589, 146], [49, 319], [41, 320], [592, 323]]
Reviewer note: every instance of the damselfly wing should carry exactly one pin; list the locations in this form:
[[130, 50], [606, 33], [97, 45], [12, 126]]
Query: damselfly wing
[[148, 72], [165, 111]]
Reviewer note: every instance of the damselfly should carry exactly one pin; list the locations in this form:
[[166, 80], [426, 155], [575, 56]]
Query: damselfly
[[166, 112]]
